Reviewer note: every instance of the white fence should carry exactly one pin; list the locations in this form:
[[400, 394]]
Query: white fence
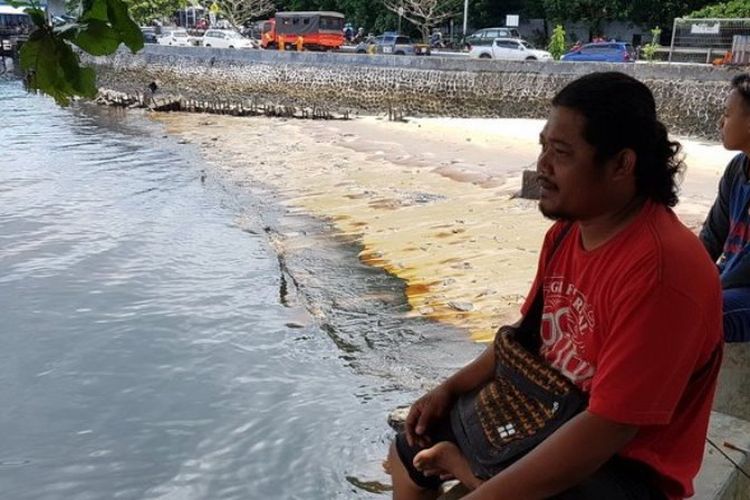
[[704, 40]]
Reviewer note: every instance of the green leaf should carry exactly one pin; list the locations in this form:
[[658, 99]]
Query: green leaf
[[40, 58], [98, 39], [95, 10], [86, 85], [30, 51], [37, 17], [37, 35], [82, 81], [18, 5], [129, 32]]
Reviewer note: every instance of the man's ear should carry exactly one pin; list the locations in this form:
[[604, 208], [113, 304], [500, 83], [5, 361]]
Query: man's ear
[[624, 164]]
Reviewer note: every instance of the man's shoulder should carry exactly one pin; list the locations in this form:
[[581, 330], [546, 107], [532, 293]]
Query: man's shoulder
[[679, 255], [660, 249], [556, 230], [737, 168]]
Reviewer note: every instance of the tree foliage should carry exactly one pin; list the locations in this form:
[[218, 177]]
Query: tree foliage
[[53, 67], [597, 12], [238, 12], [493, 12], [731, 9], [145, 11], [48, 60], [424, 14]]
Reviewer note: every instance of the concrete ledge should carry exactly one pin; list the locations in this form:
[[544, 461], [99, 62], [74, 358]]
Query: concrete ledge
[[719, 479], [158, 53], [733, 392]]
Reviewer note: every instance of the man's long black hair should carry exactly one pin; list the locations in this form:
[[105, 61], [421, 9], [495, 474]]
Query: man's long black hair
[[620, 113]]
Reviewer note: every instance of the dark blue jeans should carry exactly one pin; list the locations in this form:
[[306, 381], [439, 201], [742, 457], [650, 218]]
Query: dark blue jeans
[[737, 315], [618, 479]]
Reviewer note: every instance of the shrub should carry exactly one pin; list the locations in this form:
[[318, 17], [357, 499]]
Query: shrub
[[557, 42], [649, 50]]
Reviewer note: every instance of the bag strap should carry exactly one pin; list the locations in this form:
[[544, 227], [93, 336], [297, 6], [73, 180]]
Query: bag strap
[[529, 330]]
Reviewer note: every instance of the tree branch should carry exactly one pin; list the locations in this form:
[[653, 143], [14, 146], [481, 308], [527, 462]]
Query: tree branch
[[424, 13], [238, 12]]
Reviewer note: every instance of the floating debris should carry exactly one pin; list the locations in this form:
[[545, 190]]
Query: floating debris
[[461, 306], [147, 100]]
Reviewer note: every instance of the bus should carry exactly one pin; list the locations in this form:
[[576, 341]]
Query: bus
[[14, 21], [318, 30]]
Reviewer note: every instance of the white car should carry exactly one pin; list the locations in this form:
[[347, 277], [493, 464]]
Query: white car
[[226, 39], [177, 37], [510, 49]]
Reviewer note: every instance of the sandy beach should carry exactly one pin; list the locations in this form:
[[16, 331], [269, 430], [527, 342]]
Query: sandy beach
[[431, 201]]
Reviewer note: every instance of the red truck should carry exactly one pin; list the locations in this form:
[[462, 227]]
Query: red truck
[[318, 30]]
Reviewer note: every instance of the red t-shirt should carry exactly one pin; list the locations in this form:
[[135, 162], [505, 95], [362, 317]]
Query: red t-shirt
[[630, 323]]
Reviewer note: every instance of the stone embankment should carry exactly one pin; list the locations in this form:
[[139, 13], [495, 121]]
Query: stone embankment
[[690, 97], [148, 100]]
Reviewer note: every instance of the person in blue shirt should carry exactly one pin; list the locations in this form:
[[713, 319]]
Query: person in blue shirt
[[726, 231]]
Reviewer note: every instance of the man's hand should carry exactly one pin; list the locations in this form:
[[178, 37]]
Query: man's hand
[[432, 406], [446, 461], [571, 454]]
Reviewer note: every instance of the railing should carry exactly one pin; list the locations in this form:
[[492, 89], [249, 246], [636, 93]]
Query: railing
[[705, 40]]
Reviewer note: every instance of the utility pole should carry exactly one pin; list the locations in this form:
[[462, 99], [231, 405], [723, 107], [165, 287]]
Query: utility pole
[[466, 15]]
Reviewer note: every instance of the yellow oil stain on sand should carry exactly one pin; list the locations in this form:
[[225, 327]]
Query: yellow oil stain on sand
[[430, 201]]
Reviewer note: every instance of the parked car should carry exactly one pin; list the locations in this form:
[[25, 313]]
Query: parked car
[[226, 39], [487, 35], [391, 43], [510, 49], [615, 52], [149, 34], [178, 37]]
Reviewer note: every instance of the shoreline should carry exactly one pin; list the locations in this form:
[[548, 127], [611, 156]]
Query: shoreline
[[430, 201]]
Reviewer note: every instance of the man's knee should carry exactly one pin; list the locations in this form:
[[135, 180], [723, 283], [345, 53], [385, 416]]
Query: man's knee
[[403, 455]]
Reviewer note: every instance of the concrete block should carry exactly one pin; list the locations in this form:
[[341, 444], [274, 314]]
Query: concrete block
[[733, 391], [529, 187], [719, 479]]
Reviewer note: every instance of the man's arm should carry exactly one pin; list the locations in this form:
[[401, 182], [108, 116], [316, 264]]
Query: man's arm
[[476, 373], [716, 227], [437, 403], [564, 460]]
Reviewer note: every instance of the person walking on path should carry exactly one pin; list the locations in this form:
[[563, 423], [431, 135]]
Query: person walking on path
[[726, 232], [621, 320]]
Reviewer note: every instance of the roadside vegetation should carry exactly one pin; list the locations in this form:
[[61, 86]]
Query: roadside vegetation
[[99, 27], [649, 50], [731, 9]]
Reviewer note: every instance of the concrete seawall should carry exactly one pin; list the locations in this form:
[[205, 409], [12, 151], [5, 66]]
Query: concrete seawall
[[690, 97]]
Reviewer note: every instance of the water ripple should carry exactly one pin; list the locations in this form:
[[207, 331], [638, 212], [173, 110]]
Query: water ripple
[[144, 348]]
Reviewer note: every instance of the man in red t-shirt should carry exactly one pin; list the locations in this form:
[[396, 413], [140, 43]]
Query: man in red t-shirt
[[631, 315]]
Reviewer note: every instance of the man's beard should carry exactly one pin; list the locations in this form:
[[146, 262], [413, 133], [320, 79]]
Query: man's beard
[[555, 216]]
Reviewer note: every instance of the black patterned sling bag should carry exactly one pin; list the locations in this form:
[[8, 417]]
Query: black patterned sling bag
[[526, 401]]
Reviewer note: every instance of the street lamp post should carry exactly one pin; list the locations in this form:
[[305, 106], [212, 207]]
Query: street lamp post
[[466, 15]]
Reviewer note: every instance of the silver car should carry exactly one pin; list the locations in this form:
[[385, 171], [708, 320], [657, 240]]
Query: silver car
[[177, 37], [397, 45]]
